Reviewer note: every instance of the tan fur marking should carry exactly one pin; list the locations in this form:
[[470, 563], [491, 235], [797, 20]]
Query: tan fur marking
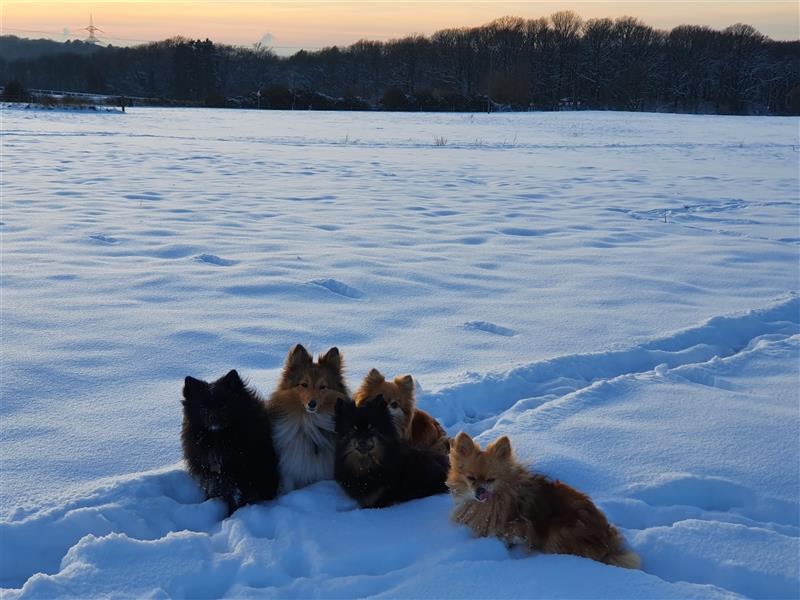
[[359, 461]]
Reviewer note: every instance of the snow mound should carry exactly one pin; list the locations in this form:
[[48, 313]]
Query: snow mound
[[311, 542], [474, 406]]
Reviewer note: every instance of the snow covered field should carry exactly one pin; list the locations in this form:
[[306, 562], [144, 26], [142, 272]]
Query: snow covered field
[[617, 292]]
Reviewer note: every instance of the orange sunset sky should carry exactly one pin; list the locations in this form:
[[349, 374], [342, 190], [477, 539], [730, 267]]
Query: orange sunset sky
[[288, 26]]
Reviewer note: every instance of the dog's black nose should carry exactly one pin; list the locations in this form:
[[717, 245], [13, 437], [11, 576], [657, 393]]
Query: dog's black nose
[[312, 405], [480, 491], [365, 446]]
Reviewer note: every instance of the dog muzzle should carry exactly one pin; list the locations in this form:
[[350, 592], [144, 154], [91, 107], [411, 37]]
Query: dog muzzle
[[482, 494]]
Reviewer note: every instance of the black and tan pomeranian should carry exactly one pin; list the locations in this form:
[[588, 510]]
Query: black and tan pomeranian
[[375, 466], [227, 441], [414, 425]]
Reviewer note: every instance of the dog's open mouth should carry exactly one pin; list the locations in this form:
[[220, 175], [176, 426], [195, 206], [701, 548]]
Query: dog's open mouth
[[482, 495]]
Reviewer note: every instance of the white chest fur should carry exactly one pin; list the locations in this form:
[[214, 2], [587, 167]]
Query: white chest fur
[[306, 449]]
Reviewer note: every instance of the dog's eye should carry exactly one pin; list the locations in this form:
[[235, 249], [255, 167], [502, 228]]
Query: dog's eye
[[394, 404], [471, 478], [323, 386], [304, 384], [490, 480]]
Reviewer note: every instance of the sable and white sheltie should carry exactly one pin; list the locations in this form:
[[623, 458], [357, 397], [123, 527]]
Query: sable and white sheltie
[[413, 425], [302, 412], [496, 496], [376, 467], [226, 441]]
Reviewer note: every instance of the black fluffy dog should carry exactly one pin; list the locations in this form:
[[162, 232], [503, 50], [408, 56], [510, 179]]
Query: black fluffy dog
[[377, 468], [227, 441]]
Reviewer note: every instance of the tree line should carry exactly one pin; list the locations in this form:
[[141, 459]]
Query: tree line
[[556, 62]]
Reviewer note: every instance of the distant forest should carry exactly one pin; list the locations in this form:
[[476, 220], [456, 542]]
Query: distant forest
[[551, 63]]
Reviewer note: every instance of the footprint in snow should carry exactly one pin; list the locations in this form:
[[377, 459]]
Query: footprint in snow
[[704, 492], [213, 259], [103, 239], [520, 231], [144, 196], [490, 328], [338, 288]]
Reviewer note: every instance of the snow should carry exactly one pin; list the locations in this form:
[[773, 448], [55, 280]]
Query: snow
[[616, 292]]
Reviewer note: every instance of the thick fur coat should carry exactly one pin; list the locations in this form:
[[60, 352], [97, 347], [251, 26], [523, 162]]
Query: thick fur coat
[[376, 467], [227, 442], [496, 496], [413, 425], [302, 414]]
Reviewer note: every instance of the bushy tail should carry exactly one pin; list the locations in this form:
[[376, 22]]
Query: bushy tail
[[619, 554], [627, 559]]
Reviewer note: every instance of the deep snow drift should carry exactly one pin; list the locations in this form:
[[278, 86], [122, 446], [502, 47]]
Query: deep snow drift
[[616, 292]]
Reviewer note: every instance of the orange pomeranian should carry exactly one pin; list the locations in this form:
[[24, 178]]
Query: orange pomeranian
[[302, 412], [415, 426], [495, 495]]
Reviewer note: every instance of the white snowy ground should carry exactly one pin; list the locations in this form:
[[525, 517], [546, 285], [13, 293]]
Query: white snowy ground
[[523, 272]]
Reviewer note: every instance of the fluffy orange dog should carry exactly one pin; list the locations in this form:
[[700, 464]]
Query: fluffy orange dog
[[497, 496], [412, 424]]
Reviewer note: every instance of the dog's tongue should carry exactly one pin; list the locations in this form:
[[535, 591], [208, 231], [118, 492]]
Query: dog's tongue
[[483, 495]]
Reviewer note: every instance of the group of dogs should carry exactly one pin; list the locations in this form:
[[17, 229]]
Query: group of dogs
[[382, 450]]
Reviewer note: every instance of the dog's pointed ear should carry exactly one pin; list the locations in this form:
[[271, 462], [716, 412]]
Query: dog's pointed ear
[[374, 377], [344, 406], [232, 380], [376, 404], [501, 448], [379, 413], [192, 387], [405, 383], [464, 445], [332, 358], [298, 356]]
